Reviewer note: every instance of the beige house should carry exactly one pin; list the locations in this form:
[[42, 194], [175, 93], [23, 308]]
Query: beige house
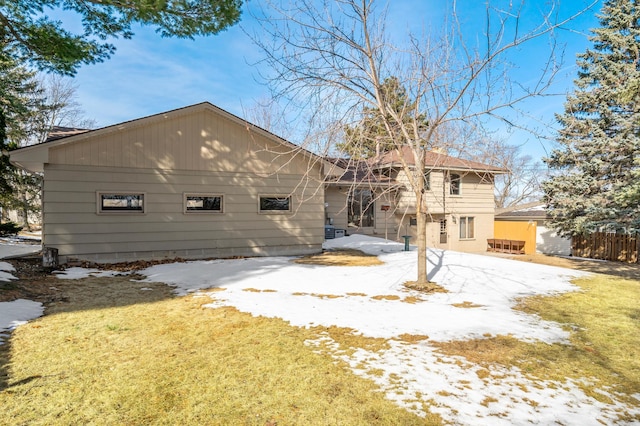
[[199, 182], [196, 182], [374, 198]]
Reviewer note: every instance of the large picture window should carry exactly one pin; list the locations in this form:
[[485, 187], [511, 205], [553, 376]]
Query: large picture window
[[467, 228], [275, 204], [202, 203], [361, 208], [118, 202]]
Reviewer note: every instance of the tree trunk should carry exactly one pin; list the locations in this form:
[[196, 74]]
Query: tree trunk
[[24, 211], [421, 225]]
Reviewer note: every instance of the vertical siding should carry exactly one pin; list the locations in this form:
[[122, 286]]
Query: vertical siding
[[199, 141]]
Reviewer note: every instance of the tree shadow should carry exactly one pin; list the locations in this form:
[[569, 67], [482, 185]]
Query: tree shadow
[[596, 266]]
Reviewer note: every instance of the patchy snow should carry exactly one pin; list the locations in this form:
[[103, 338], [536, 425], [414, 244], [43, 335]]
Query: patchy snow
[[5, 271], [17, 312], [13, 246], [77, 273], [373, 302]]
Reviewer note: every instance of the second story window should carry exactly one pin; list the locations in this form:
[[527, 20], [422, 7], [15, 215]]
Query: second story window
[[454, 185], [427, 180]]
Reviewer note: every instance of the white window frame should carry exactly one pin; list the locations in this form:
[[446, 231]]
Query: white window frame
[[100, 206], [276, 196], [187, 195], [465, 221]]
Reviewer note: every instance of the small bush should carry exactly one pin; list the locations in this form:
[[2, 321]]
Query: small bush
[[9, 228]]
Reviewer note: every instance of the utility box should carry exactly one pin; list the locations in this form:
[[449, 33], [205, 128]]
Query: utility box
[[329, 232], [339, 233]]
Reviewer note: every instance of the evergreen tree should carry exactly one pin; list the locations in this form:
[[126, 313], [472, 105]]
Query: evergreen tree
[[597, 166], [21, 102], [27, 34], [370, 136]]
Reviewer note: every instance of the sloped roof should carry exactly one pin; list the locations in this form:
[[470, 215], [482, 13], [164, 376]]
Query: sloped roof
[[59, 132], [357, 172], [433, 160], [530, 211]]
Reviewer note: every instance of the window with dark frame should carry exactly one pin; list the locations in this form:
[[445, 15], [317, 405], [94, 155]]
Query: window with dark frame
[[121, 202], [203, 203], [467, 228], [275, 204], [427, 180], [454, 184]]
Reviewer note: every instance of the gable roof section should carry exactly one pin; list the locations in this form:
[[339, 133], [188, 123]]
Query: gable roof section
[[530, 211], [433, 160], [58, 132], [33, 157], [356, 172]]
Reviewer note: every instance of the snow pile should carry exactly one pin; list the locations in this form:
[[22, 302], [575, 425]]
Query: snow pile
[[18, 312]]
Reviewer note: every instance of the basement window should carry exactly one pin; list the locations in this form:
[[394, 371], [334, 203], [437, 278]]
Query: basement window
[[202, 203], [121, 202], [275, 204]]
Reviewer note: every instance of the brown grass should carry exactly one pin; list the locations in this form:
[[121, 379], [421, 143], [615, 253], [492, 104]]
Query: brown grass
[[344, 257], [427, 288], [113, 354], [466, 305], [618, 269], [604, 320]]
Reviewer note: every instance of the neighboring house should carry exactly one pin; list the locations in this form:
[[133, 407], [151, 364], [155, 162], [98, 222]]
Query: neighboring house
[[195, 182], [528, 222], [374, 197]]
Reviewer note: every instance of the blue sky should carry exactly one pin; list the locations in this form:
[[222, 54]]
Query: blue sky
[[150, 74]]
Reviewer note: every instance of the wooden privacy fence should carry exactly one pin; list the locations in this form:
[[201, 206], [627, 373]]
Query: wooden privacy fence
[[602, 245]]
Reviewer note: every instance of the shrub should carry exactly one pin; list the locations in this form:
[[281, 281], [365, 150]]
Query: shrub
[[9, 228]]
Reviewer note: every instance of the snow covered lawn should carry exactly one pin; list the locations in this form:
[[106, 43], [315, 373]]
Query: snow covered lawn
[[372, 301]]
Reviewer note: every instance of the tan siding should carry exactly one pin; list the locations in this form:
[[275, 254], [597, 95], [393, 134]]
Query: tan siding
[[75, 228], [199, 141], [476, 196], [337, 206]]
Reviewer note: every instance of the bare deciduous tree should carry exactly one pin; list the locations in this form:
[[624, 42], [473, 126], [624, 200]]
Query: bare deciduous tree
[[331, 59], [521, 182], [58, 107]]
